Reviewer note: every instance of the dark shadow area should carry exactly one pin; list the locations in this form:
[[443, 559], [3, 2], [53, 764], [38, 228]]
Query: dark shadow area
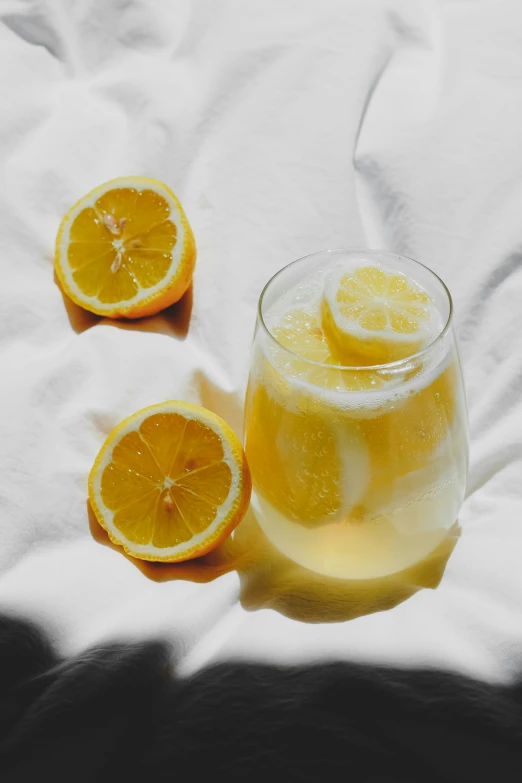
[[173, 321], [119, 713], [269, 580], [80, 319]]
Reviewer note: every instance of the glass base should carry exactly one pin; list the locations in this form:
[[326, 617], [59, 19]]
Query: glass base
[[367, 550]]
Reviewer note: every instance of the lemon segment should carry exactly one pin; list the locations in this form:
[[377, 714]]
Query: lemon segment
[[375, 315], [170, 482], [310, 467], [125, 249], [310, 356]]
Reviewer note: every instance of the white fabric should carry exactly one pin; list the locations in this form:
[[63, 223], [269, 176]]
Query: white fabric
[[285, 127]]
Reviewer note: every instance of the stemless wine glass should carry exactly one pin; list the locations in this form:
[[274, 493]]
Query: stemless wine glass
[[358, 472]]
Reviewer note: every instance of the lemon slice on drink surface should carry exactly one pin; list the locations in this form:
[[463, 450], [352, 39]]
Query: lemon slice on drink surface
[[374, 315]]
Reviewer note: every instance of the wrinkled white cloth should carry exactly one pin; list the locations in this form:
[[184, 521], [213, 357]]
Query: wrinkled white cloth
[[284, 127]]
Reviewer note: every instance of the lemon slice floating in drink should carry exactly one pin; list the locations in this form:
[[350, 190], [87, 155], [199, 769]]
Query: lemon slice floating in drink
[[374, 315], [303, 334], [306, 466]]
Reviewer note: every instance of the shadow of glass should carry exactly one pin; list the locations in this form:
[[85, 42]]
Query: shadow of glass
[[273, 581], [173, 321], [269, 580]]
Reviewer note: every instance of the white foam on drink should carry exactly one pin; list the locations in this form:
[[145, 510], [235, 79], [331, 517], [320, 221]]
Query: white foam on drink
[[306, 295]]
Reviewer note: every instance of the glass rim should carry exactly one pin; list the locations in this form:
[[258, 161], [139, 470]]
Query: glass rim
[[364, 368]]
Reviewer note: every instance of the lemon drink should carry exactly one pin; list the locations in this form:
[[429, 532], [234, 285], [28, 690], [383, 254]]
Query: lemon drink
[[355, 422]]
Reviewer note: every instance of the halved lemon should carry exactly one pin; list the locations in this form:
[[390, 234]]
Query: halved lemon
[[125, 250], [170, 482], [373, 315]]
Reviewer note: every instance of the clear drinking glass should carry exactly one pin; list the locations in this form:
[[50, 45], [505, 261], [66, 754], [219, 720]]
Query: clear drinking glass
[[358, 472]]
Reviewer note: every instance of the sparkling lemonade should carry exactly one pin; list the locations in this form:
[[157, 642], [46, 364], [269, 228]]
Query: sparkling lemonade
[[355, 421]]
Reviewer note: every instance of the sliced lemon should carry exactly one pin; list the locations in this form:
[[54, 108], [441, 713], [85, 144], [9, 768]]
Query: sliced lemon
[[125, 250], [312, 359], [313, 468], [373, 315], [170, 482]]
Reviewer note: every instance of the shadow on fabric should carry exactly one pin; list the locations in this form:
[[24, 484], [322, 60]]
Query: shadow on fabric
[[80, 319], [119, 712], [269, 580], [174, 321]]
